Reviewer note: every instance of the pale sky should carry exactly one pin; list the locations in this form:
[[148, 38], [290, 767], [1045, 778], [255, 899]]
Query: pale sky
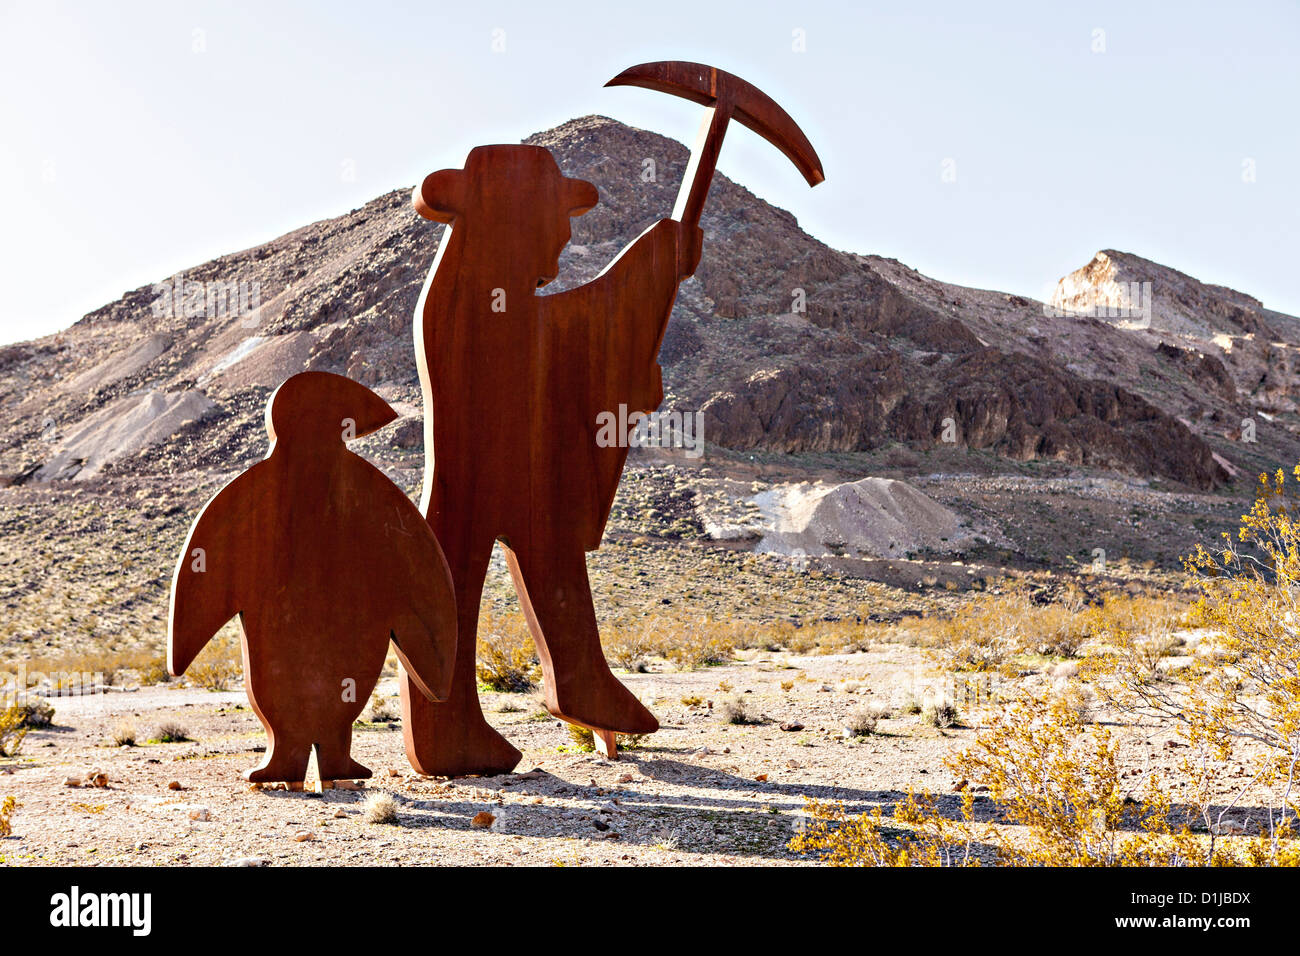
[[139, 139]]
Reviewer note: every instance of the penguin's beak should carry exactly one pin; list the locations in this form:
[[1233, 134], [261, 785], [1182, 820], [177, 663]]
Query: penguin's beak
[[366, 409]]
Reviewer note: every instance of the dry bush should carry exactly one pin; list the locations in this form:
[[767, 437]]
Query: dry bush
[[735, 710], [215, 676], [155, 671], [983, 636], [698, 644], [36, 712], [380, 808], [383, 710], [507, 658], [171, 732], [125, 734], [941, 714], [862, 721], [630, 646], [220, 664], [7, 809]]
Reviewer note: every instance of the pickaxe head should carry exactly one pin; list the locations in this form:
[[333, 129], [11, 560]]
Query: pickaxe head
[[730, 95]]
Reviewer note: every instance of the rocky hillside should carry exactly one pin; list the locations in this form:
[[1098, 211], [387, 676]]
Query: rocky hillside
[[783, 343]]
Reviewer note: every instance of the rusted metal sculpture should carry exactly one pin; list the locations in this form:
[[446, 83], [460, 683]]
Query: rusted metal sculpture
[[325, 561], [513, 383]]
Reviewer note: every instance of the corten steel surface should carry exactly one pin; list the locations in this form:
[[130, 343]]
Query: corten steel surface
[[513, 383], [325, 561]]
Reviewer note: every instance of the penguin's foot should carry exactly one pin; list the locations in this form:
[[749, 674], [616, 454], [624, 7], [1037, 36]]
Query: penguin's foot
[[280, 766]]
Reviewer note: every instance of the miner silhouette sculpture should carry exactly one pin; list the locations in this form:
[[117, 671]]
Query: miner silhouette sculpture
[[513, 384], [325, 561]]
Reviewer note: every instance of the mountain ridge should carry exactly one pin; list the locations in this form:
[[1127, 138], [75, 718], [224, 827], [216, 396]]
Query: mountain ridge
[[785, 344]]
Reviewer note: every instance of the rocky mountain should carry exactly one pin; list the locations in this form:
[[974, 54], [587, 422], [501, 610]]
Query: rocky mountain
[[784, 344]]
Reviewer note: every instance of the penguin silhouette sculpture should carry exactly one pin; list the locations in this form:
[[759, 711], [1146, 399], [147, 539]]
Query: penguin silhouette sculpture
[[316, 550]]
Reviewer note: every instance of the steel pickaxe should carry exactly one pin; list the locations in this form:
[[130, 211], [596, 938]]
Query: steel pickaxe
[[726, 96]]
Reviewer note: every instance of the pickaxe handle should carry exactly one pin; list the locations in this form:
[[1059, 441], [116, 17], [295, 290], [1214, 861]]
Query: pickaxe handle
[[704, 160]]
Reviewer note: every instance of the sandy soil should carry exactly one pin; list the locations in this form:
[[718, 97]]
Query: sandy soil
[[700, 790]]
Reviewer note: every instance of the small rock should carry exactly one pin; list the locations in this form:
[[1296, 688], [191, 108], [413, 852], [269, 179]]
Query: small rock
[[625, 778], [72, 782], [247, 861], [303, 836], [791, 726], [792, 765], [97, 779], [200, 814], [340, 813], [761, 777], [394, 772], [175, 785], [482, 820], [348, 785]]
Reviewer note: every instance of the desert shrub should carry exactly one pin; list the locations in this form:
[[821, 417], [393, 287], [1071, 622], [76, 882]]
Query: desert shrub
[[171, 732], [124, 734], [221, 663], [1237, 702], [380, 808], [735, 710], [507, 659], [698, 644], [215, 676], [155, 672], [7, 809], [1056, 780], [13, 728], [383, 709], [1059, 786], [941, 714], [630, 646], [862, 721], [36, 712], [919, 835], [982, 637], [582, 737]]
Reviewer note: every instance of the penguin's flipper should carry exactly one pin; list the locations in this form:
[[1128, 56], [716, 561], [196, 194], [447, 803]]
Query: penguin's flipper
[[205, 586], [424, 631]]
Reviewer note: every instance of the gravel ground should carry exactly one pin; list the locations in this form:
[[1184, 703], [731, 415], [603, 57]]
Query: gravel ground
[[699, 791]]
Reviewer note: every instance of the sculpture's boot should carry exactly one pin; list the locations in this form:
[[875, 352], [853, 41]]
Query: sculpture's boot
[[580, 688]]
